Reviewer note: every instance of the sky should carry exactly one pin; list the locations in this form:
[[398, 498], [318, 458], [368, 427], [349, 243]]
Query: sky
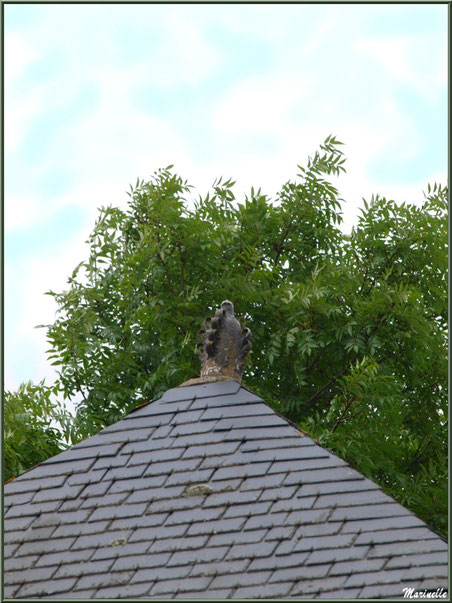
[[97, 96]]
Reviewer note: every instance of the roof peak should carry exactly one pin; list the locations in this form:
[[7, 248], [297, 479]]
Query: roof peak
[[223, 348]]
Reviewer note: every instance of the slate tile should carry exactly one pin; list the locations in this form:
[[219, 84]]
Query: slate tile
[[148, 420], [167, 467], [58, 494], [121, 550], [147, 445], [94, 490], [317, 543], [306, 464], [229, 538], [297, 455], [293, 504], [205, 390], [162, 432], [188, 557], [275, 562], [37, 547], [270, 520], [244, 510], [311, 476], [10, 590], [344, 593], [145, 521], [433, 584], [383, 523], [105, 501], [187, 416], [222, 593], [32, 509], [76, 529], [385, 590], [329, 528], [407, 561], [258, 469], [111, 462], [121, 511], [340, 487], [79, 594], [261, 549], [426, 571], [48, 587], [264, 591], [19, 563], [219, 568], [189, 477], [299, 573], [394, 535], [292, 439], [63, 557], [173, 504], [178, 544], [69, 570], [88, 477], [378, 577], [235, 410], [10, 549], [232, 524], [202, 439], [30, 575], [61, 518], [140, 562], [400, 548], [319, 585], [142, 489], [17, 536], [266, 481], [240, 579], [281, 533], [199, 514], [100, 539], [309, 516], [230, 497], [212, 450], [370, 497], [366, 511], [271, 431], [191, 428], [163, 573], [157, 532], [345, 568], [18, 523], [167, 492], [18, 499], [99, 580], [349, 553], [180, 585], [250, 422], [124, 591], [40, 533], [278, 493]]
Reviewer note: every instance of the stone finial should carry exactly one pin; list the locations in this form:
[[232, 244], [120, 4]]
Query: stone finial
[[224, 347]]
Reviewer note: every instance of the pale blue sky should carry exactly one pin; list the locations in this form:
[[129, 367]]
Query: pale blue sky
[[98, 95]]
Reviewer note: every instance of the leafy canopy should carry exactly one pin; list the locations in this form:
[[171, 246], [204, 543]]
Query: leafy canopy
[[349, 331]]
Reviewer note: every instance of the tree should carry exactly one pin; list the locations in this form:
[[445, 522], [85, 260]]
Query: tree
[[349, 331], [36, 427]]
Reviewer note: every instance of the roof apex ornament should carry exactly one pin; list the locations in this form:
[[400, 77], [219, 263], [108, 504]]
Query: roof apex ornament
[[225, 345]]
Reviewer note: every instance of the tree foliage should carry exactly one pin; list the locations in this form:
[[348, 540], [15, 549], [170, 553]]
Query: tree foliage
[[36, 427], [349, 331]]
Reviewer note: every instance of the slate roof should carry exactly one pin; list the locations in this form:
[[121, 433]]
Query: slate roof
[[110, 518]]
